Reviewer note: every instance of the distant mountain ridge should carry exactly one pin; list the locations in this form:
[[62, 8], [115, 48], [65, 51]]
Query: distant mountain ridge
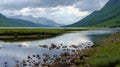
[[108, 16], [11, 22], [39, 20]]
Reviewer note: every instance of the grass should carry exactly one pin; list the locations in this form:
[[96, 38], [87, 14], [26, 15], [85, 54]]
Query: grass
[[23, 34], [28, 34], [30, 31], [107, 54], [20, 31], [111, 23]]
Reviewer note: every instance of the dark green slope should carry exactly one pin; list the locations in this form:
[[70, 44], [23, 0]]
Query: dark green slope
[[108, 16], [10, 22]]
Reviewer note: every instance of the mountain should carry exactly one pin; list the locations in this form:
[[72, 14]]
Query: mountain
[[11, 22], [39, 20], [108, 16]]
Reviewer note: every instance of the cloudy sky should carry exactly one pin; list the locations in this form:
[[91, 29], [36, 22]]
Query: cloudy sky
[[61, 11]]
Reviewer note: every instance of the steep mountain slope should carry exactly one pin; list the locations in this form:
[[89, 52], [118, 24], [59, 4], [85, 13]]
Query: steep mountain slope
[[108, 16], [10, 22], [40, 20]]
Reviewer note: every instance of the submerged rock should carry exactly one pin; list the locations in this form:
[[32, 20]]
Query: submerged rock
[[44, 46], [53, 46]]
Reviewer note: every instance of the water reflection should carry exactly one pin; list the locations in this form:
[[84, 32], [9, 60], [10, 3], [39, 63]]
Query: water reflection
[[18, 51]]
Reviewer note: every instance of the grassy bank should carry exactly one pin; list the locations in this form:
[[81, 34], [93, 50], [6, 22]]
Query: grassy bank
[[23, 34], [29, 34], [105, 53]]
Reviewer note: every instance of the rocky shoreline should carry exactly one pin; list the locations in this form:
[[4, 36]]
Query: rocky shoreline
[[67, 58]]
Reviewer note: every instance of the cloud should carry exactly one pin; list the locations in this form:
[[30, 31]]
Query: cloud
[[67, 15], [19, 4], [88, 5], [61, 11], [60, 14]]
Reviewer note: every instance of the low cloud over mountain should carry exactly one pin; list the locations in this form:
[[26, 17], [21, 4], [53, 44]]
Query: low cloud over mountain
[[61, 11]]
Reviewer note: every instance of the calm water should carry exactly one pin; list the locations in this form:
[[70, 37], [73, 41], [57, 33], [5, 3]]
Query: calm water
[[17, 51]]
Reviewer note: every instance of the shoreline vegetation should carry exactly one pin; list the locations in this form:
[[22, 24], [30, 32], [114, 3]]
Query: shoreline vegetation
[[28, 34], [105, 53]]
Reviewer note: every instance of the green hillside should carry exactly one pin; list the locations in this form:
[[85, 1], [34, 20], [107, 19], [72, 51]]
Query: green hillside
[[10, 22], [108, 16]]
